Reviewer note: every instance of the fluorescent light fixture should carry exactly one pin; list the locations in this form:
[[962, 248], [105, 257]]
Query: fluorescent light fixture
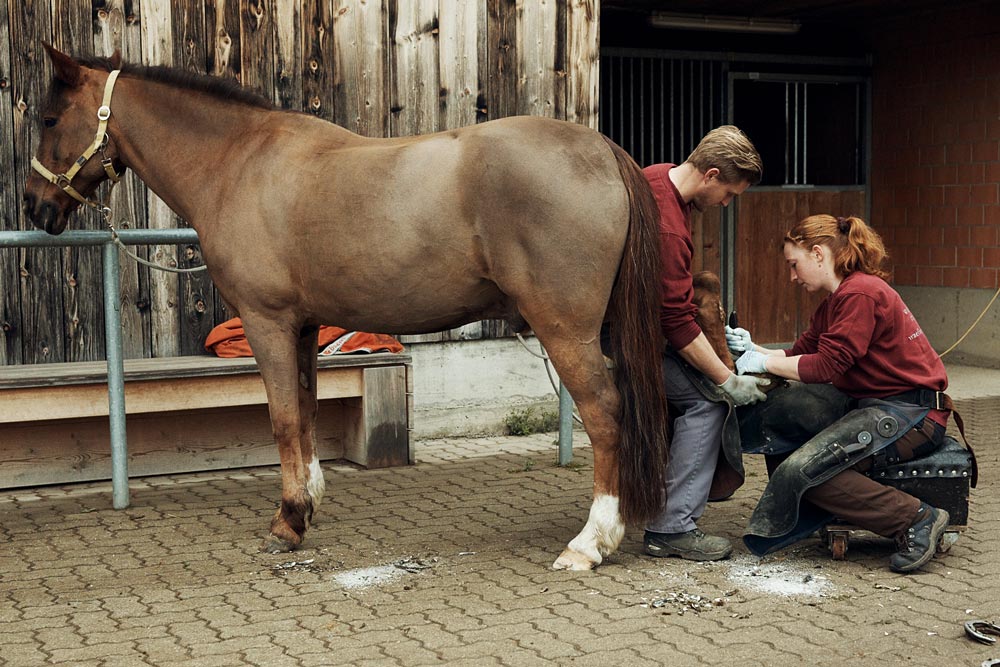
[[724, 23]]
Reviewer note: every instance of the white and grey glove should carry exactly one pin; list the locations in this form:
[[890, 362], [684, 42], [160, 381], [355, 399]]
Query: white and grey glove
[[743, 389], [751, 361], [738, 340]]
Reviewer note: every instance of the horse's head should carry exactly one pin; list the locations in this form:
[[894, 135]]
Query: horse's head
[[63, 174]]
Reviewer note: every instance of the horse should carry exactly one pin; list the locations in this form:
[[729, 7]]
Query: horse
[[544, 223]]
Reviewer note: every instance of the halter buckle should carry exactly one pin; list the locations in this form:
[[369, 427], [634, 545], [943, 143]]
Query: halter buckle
[[103, 112]]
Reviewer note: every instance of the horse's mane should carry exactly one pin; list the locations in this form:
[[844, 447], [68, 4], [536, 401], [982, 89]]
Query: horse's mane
[[220, 87]]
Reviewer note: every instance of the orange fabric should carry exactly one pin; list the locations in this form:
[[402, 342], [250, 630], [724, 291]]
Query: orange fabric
[[229, 340]]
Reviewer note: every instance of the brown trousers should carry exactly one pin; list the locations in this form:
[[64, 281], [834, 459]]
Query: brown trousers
[[856, 499]]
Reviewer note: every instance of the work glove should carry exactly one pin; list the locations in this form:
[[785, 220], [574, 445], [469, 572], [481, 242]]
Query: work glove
[[738, 340], [743, 389], [751, 361]]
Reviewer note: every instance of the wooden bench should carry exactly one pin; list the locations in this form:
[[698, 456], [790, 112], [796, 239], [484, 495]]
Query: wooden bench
[[188, 414]]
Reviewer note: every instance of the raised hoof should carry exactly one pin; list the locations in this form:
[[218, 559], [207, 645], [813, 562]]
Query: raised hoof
[[573, 560], [276, 545]]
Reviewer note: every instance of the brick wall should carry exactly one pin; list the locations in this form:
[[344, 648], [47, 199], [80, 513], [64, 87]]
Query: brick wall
[[936, 146]]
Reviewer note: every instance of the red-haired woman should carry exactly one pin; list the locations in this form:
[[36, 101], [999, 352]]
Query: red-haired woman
[[864, 341]]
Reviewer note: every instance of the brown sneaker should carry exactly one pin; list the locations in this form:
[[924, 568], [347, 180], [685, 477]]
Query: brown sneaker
[[692, 545], [919, 543]]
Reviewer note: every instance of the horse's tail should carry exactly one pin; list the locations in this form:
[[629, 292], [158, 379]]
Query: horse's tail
[[637, 350]]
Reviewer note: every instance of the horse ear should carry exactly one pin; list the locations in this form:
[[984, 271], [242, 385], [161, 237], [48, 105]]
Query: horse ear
[[65, 68], [116, 59]]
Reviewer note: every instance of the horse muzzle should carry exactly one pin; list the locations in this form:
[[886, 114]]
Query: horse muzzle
[[44, 214]]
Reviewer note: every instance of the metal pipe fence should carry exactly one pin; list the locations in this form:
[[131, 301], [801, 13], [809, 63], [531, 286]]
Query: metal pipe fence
[[112, 320]]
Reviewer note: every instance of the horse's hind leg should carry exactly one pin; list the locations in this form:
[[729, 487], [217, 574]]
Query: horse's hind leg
[[291, 396], [581, 368]]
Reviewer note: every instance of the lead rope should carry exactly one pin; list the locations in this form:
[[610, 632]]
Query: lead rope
[[106, 213], [543, 355], [972, 326]]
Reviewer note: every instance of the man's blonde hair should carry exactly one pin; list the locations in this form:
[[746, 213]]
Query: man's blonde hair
[[727, 149]]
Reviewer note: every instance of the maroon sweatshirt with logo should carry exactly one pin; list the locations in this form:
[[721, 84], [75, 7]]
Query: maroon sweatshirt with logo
[[866, 342]]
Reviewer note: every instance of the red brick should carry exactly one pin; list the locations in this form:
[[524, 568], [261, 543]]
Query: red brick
[[992, 215], [943, 216], [969, 216], [918, 175], [957, 152], [992, 174], [983, 278], [944, 174], [991, 257], [986, 108], [972, 174], [957, 236], [993, 127], [882, 198], [929, 236], [986, 151], [931, 195], [956, 195], [921, 132], [983, 237], [942, 256], [929, 276], [893, 216], [917, 256], [985, 194], [904, 275], [972, 130], [955, 277], [971, 258], [918, 217], [931, 155], [905, 196], [945, 133]]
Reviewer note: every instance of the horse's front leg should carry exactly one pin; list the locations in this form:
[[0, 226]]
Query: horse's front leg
[[307, 354], [276, 348]]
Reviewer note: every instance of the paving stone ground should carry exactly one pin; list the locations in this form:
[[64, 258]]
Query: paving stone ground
[[447, 563]]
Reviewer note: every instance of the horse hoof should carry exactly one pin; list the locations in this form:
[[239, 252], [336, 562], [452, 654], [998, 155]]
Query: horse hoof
[[573, 560], [276, 545]]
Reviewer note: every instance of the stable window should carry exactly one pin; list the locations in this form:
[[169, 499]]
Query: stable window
[[810, 132]]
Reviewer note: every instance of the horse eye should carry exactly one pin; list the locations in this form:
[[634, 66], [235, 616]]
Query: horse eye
[[50, 122]]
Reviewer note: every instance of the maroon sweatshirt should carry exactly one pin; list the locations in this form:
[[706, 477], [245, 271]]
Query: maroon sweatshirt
[[866, 342], [677, 310]]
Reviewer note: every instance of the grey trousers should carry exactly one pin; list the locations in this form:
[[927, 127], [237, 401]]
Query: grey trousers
[[694, 451]]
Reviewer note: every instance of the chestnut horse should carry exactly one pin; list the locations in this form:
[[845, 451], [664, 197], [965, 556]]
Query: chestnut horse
[[544, 223]]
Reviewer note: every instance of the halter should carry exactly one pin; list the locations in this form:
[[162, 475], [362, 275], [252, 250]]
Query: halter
[[100, 143]]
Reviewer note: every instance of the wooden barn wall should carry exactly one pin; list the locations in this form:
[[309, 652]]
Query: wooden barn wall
[[376, 67]]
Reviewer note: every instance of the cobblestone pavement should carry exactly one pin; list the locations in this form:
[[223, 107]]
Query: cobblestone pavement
[[447, 563]]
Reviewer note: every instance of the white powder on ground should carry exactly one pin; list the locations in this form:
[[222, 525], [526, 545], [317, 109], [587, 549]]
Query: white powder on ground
[[367, 576], [782, 578]]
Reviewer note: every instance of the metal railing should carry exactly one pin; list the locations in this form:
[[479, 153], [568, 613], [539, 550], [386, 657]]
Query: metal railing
[[112, 320]]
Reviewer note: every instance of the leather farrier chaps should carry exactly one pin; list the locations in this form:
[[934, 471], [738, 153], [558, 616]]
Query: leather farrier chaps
[[849, 432]]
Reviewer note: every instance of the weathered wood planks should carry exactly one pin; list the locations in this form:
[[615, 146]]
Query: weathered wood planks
[[377, 67]]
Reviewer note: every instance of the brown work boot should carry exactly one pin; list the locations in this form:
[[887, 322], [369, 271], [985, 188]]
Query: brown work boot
[[692, 545], [919, 543]]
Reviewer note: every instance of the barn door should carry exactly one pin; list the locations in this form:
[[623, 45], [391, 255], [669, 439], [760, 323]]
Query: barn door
[[813, 135]]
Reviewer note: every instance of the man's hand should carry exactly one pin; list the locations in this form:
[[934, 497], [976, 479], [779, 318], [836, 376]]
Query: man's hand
[[751, 361], [743, 389], [738, 340]]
